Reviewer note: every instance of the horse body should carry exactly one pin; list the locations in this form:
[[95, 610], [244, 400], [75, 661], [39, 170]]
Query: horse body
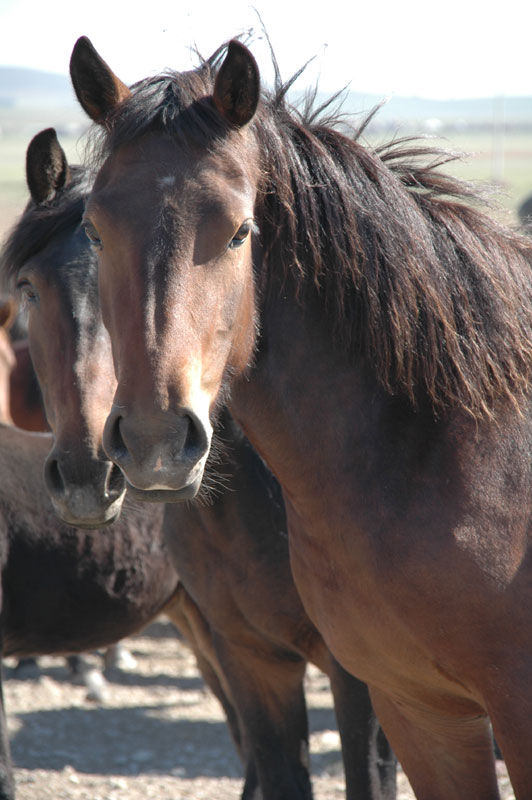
[[395, 521], [409, 545], [387, 390]]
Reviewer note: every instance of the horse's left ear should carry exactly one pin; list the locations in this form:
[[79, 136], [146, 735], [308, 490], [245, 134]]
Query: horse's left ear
[[237, 87], [47, 170], [97, 88]]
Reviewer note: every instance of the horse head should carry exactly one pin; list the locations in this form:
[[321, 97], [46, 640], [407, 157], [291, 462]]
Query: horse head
[[171, 217], [70, 349]]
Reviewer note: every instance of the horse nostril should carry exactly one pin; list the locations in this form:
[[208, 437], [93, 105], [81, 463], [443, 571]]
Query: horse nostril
[[53, 478], [115, 483], [115, 446], [196, 441]]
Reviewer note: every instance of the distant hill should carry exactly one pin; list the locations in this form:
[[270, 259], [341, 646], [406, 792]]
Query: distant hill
[[435, 115], [26, 94], [19, 87], [31, 100]]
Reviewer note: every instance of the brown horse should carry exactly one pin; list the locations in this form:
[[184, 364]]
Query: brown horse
[[20, 395], [7, 359], [26, 406], [231, 553], [20, 398], [373, 329]]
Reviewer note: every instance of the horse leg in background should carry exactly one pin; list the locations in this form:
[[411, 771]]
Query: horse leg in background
[[183, 612], [7, 784], [445, 757], [267, 688], [370, 764], [117, 656]]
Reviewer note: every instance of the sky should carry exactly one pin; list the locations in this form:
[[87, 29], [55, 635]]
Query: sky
[[448, 49]]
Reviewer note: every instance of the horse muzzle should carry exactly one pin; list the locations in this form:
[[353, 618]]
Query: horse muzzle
[[84, 493], [163, 458]]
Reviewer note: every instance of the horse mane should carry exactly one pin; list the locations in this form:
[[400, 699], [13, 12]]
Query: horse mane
[[425, 285], [414, 276], [40, 223]]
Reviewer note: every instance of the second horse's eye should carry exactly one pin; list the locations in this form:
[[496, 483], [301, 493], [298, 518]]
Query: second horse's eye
[[92, 235], [241, 235], [27, 291]]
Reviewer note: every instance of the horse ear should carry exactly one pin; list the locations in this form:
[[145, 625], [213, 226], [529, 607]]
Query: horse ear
[[97, 88], [46, 166], [237, 87]]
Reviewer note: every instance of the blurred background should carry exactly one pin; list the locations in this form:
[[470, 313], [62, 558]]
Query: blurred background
[[458, 71]]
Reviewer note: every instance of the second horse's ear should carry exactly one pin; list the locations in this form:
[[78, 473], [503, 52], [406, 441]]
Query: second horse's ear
[[47, 169], [97, 88], [237, 87]]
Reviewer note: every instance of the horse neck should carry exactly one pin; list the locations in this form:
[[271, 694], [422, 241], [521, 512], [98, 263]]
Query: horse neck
[[307, 395]]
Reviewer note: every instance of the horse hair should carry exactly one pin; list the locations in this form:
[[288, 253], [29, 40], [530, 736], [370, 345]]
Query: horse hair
[[415, 277]]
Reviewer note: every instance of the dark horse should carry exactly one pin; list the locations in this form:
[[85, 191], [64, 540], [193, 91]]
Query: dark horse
[[371, 328], [231, 553], [66, 590]]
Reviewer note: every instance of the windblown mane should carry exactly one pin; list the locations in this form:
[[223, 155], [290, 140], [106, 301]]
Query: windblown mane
[[39, 224], [434, 293]]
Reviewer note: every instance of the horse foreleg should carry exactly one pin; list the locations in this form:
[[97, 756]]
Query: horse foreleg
[[267, 688], [510, 709], [7, 786], [189, 621], [444, 757], [369, 762]]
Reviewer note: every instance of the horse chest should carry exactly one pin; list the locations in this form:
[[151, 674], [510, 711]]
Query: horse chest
[[383, 614]]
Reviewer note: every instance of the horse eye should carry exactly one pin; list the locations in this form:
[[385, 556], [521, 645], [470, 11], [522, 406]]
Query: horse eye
[[92, 235], [241, 235], [27, 291]]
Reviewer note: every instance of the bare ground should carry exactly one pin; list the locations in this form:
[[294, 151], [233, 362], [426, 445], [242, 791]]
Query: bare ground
[[158, 734]]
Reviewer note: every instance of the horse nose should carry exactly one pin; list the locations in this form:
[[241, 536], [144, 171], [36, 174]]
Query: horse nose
[[157, 451], [86, 493]]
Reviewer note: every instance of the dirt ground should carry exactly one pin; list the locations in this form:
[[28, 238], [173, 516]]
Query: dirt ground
[[158, 733]]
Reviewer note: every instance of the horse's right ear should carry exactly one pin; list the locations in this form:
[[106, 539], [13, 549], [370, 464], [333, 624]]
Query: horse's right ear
[[237, 86], [46, 166], [97, 88]]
